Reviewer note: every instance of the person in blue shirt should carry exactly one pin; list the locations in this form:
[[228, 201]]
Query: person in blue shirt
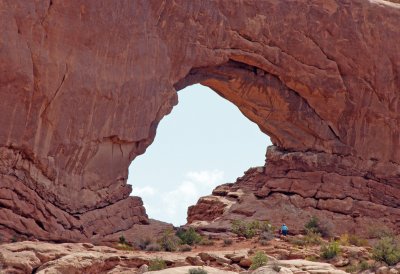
[[284, 230]]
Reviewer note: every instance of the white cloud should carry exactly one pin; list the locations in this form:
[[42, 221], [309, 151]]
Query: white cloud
[[171, 206], [206, 177], [176, 202], [143, 191]]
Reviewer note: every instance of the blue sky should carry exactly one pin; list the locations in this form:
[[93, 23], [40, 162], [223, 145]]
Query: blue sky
[[206, 141]]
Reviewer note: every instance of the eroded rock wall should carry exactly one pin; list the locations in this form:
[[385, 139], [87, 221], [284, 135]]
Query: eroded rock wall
[[83, 85], [294, 186]]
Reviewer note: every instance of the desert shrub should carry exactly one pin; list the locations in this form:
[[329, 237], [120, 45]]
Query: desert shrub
[[266, 226], [298, 241], [258, 260], [125, 247], [157, 264], [347, 239], [364, 265], [250, 229], [311, 238], [314, 225], [387, 250], [357, 241], [206, 242], [122, 239], [123, 244], [189, 236], [351, 268], [379, 232], [344, 239], [185, 248], [142, 243], [228, 242], [244, 229], [330, 251], [197, 271], [153, 247], [266, 235], [326, 230], [169, 242]]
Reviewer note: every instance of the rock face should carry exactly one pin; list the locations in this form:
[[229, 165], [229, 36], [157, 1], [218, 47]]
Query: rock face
[[85, 83], [294, 186]]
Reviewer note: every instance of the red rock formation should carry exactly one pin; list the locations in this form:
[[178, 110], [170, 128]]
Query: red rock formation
[[83, 85], [294, 186]]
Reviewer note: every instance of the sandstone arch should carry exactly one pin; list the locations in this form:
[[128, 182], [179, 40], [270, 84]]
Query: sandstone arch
[[84, 85]]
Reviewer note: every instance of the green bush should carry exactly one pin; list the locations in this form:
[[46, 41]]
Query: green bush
[[311, 238], [387, 250], [157, 264], [314, 225], [244, 229], [379, 232], [123, 244], [197, 271], [364, 265], [330, 250], [266, 226], [357, 241], [251, 229], [122, 239], [189, 236], [169, 242], [351, 268], [258, 260]]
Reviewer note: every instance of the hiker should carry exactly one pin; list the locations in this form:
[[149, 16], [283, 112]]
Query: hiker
[[284, 230]]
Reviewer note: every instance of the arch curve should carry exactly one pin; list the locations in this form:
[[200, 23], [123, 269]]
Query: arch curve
[[84, 86]]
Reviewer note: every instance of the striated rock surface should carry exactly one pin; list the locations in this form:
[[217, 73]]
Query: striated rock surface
[[83, 85], [294, 186]]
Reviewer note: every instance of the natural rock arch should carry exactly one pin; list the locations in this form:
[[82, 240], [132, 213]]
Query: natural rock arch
[[84, 85]]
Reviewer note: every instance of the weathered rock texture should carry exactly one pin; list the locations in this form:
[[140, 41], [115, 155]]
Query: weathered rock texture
[[76, 258], [294, 186], [83, 85]]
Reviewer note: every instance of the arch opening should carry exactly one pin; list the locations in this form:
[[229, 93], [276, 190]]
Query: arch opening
[[203, 143]]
